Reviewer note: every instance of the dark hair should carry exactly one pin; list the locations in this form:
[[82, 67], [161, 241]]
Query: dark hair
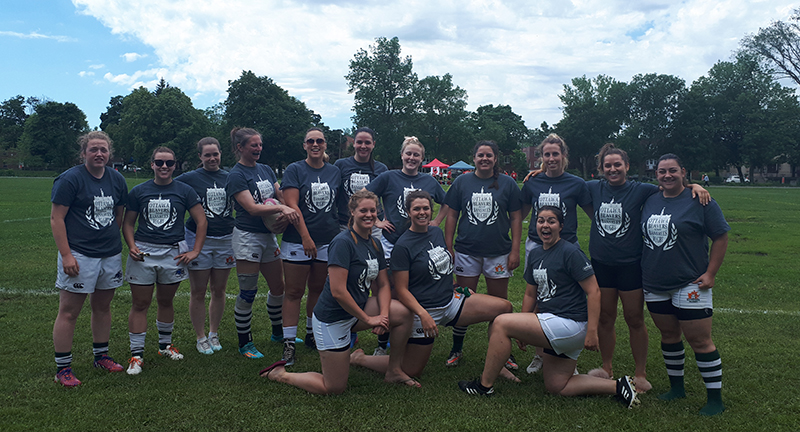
[[240, 136], [609, 149], [496, 167], [555, 139], [556, 211], [677, 159], [417, 194], [204, 142], [83, 142], [372, 135], [325, 157], [161, 149]]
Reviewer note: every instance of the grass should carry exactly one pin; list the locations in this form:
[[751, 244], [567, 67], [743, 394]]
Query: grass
[[756, 327]]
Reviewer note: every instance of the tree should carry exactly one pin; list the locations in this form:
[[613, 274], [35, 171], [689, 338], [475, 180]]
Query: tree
[[12, 121], [258, 103], [778, 46], [439, 118], [383, 85], [113, 114], [50, 135], [501, 125]]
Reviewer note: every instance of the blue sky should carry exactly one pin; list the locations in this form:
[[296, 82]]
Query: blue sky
[[513, 52]]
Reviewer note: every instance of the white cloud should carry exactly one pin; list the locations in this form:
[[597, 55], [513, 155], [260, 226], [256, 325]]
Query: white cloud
[[85, 74], [97, 66], [132, 57], [518, 53], [36, 35]]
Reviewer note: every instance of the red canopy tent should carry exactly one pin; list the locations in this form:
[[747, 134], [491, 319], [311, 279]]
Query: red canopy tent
[[436, 165]]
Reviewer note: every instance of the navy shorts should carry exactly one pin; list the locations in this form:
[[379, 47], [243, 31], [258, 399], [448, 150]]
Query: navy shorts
[[623, 277]]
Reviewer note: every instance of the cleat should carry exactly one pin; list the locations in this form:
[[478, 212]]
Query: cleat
[[310, 342], [279, 339], [66, 378], [171, 353], [204, 347], [379, 352], [288, 353], [535, 366], [473, 388], [135, 365], [626, 392], [250, 351], [511, 363], [214, 342], [454, 358], [108, 364]]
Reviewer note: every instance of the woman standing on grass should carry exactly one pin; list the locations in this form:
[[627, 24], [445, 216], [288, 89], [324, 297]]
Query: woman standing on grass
[[157, 252], [489, 205], [355, 263], [212, 267], [255, 247], [309, 187], [357, 172], [678, 275], [615, 244], [86, 214], [561, 284]]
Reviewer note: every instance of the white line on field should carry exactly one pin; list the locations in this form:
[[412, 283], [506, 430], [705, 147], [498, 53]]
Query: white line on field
[[26, 219]]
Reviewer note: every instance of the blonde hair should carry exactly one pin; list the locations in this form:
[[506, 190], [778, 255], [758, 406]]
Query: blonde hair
[[555, 139], [412, 140]]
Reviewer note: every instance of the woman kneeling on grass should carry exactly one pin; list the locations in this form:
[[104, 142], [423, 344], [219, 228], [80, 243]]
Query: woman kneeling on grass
[[423, 278], [559, 279], [355, 262]]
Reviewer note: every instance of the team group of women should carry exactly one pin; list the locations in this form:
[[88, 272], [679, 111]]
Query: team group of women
[[355, 228]]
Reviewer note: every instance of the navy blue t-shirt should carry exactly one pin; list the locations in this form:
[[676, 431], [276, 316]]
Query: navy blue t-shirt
[[565, 192], [557, 273], [355, 176], [676, 232], [616, 235], [91, 224], [260, 182], [393, 187], [161, 211], [484, 223], [217, 204], [429, 265], [363, 259], [318, 188]]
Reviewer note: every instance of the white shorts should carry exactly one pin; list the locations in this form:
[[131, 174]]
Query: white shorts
[[255, 247], [93, 274], [294, 253], [387, 247], [566, 336], [490, 267], [444, 315], [688, 297], [331, 336], [217, 253], [159, 267]]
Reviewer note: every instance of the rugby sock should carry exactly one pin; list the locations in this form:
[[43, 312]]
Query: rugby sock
[[137, 344], [309, 326], [710, 367], [289, 333], [459, 333], [243, 308], [275, 311], [383, 340], [674, 358], [63, 360], [99, 349], [164, 333]]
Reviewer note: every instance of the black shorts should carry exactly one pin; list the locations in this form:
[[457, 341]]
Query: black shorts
[[623, 277]]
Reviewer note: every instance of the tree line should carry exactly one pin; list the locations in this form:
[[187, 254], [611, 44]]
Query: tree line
[[738, 114]]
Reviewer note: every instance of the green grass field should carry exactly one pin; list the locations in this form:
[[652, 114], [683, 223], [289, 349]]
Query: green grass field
[[757, 322]]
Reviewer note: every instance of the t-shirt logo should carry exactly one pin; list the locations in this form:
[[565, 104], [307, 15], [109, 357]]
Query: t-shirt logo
[[401, 200], [101, 213], [320, 197], [265, 190], [481, 207], [439, 262], [356, 182], [369, 274], [161, 214], [546, 288], [660, 231], [216, 201], [550, 199], [611, 219]]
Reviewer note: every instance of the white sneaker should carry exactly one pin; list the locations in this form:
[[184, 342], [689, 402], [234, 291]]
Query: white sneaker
[[204, 346], [214, 342], [380, 352], [135, 365], [170, 352], [535, 366]]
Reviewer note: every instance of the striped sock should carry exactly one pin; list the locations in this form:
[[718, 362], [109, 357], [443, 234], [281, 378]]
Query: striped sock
[[137, 344], [99, 349], [63, 360], [459, 333], [710, 366], [164, 333], [243, 311], [275, 312], [309, 326], [383, 340], [674, 358]]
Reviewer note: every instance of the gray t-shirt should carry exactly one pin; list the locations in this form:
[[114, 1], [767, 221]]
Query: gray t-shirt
[[484, 223], [260, 182], [91, 224], [217, 204], [429, 265], [565, 192], [393, 187], [676, 232], [355, 176], [318, 188], [556, 272], [363, 259], [161, 211]]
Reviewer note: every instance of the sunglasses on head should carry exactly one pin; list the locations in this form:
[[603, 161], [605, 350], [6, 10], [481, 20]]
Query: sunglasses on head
[[319, 141], [159, 163]]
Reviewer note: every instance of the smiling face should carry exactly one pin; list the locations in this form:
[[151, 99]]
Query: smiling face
[[96, 154], [484, 160], [548, 227], [552, 160], [412, 158], [365, 214], [210, 157], [163, 172], [250, 151], [419, 211], [315, 144], [363, 145], [670, 177], [615, 169]]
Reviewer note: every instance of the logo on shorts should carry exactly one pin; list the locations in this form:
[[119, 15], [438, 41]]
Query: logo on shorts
[[420, 330], [693, 297], [611, 219], [659, 231], [293, 253], [117, 277], [195, 263], [254, 256], [343, 337], [277, 252], [499, 269], [229, 260], [77, 285], [179, 272], [459, 269]]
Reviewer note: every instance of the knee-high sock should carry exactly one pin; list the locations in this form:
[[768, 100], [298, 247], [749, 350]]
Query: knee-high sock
[[275, 311], [243, 308], [164, 333]]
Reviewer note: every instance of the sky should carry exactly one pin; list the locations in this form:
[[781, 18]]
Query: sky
[[512, 52]]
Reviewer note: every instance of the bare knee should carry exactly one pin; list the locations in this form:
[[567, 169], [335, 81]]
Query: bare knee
[[634, 319], [608, 318]]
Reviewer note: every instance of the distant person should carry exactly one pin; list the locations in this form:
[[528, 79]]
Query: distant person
[[705, 180], [86, 215], [157, 253]]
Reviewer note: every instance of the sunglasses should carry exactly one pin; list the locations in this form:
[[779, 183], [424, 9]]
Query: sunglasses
[[159, 163], [319, 141]]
